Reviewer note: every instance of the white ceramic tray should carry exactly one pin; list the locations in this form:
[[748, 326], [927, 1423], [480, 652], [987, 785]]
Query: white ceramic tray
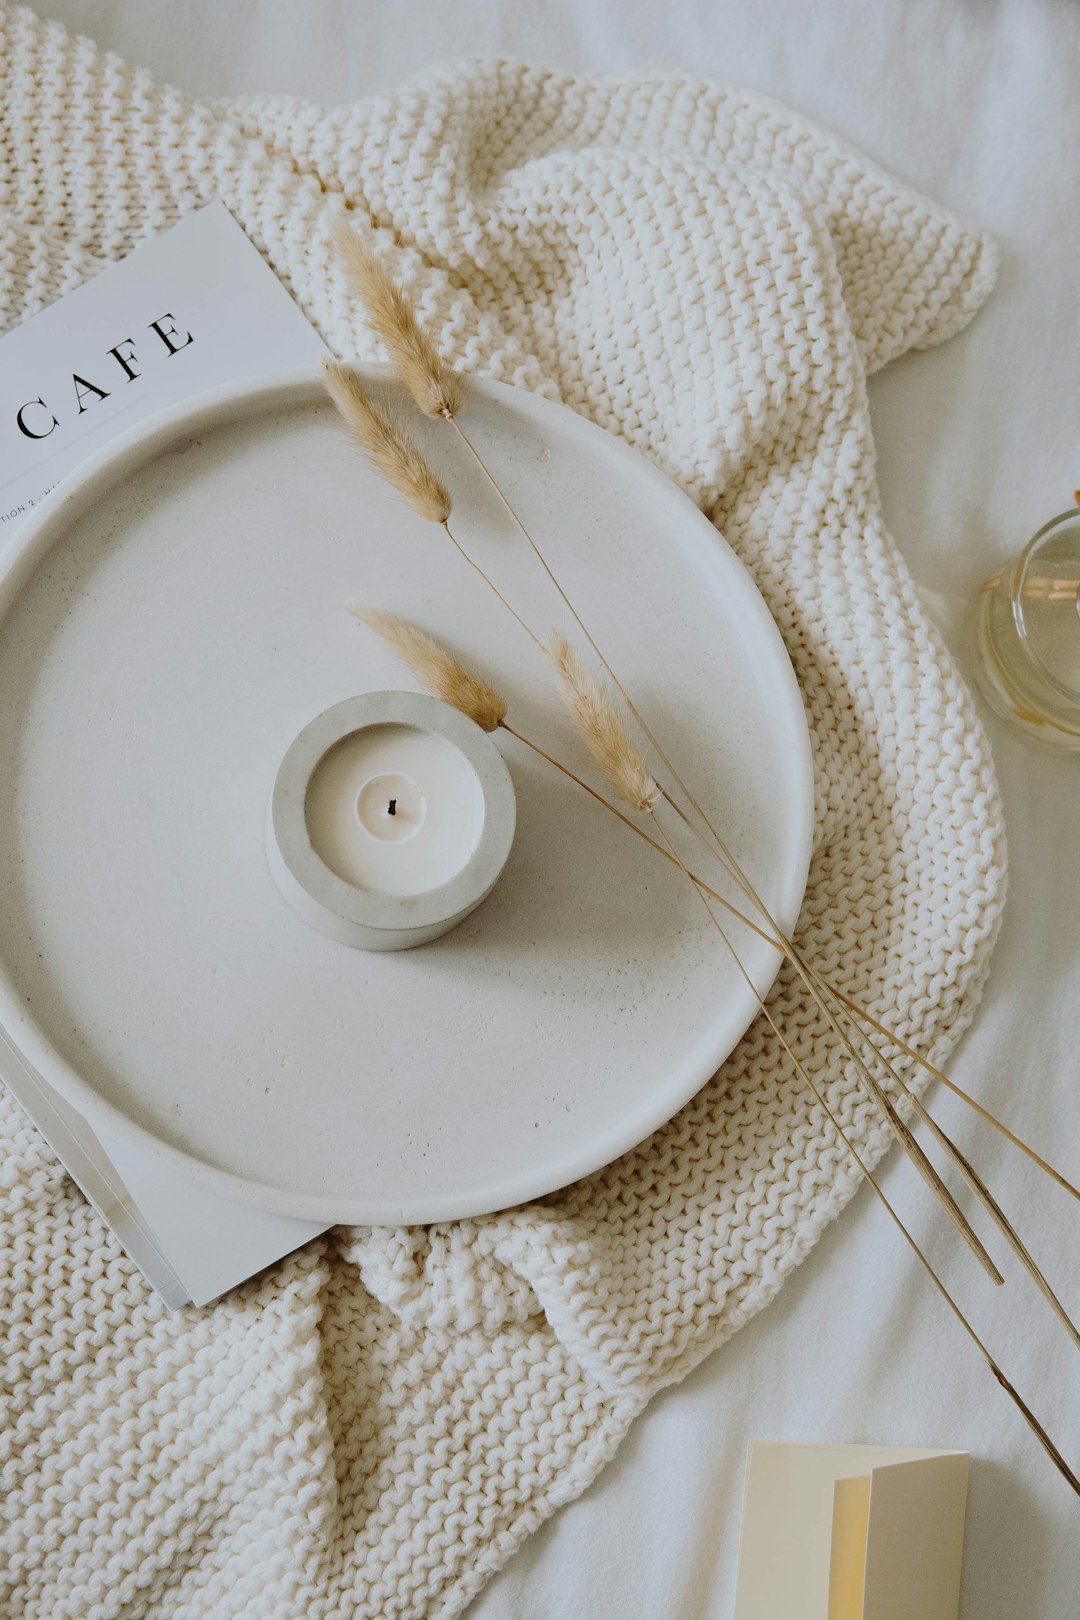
[[172, 617]]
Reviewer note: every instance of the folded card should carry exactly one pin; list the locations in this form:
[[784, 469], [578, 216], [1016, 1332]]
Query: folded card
[[851, 1533]]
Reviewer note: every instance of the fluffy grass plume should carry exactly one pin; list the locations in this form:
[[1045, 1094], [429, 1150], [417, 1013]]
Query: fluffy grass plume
[[435, 667], [437, 388], [386, 444], [602, 727]]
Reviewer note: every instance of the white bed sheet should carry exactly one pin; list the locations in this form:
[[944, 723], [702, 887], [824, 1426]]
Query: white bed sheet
[[977, 105]]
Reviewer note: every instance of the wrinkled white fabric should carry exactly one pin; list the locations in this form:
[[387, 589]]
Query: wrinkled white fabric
[[373, 1426]]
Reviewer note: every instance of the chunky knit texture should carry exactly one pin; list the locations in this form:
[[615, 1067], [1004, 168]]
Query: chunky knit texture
[[370, 1428]]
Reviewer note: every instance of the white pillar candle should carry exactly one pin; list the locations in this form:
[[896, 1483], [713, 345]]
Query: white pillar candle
[[394, 809], [391, 818]]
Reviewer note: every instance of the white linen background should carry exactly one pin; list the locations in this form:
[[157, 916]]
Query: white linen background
[[976, 104]]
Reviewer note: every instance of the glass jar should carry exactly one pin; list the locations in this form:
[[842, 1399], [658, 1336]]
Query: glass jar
[[1027, 633]]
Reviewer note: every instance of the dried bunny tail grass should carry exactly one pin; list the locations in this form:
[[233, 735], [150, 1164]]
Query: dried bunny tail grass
[[435, 667], [386, 444], [603, 728], [437, 388]]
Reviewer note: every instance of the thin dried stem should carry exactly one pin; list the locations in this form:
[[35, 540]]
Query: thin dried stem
[[896, 1124], [386, 444], [969, 1172], [963, 1164], [830, 988], [974, 1181], [437, 388], [491, 585], [578, 781], [662, 756], [860, 1012], [1028, 1415], [958, 1091], [542, 560], [598, 652]]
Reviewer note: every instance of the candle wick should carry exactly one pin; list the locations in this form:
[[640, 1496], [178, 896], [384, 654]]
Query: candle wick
[[393, 807]]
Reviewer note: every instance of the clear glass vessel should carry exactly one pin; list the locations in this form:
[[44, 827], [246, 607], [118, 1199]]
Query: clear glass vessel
[[1027, 633]]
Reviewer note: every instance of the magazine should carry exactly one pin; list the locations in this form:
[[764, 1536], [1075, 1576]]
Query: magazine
[[192, 310]]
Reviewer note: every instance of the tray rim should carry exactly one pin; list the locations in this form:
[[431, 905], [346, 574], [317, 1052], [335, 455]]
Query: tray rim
[[281, 391]]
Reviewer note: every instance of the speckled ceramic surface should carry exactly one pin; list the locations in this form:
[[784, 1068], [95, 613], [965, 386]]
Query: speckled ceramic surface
[[172, 618]]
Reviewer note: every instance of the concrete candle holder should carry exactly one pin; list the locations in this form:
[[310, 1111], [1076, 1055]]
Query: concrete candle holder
[[391, 819]]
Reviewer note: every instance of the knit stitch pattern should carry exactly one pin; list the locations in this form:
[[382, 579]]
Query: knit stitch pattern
[[372, 1426]]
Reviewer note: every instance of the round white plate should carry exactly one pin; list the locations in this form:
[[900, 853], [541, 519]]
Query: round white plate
[[172, 617]]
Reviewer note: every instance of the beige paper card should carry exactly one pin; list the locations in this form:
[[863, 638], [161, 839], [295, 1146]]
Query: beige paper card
[[915, 1539], [851, 1533]]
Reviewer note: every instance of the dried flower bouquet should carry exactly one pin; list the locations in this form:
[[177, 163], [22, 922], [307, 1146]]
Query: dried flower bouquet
[[665, 813]]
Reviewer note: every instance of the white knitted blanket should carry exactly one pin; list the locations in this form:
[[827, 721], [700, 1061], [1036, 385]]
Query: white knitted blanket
[[372, 1427]]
